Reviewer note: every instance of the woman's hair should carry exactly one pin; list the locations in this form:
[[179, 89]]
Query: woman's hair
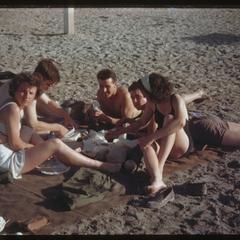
[[32, 79], [48, 70], [160, 87], [104, 74]]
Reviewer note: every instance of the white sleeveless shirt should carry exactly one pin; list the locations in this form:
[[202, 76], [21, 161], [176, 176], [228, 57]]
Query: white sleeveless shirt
[[9, 159]]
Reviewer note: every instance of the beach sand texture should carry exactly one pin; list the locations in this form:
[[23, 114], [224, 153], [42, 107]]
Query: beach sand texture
[[196, 48]]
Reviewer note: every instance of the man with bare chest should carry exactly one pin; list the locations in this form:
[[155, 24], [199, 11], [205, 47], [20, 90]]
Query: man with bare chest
[[115, 101]]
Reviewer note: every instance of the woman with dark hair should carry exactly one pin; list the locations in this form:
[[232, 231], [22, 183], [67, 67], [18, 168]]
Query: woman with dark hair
[[172, 134], [44, 105], [23, 151]]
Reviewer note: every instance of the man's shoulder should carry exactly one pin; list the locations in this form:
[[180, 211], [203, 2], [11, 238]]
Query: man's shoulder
[[122, 90], [43, 97]]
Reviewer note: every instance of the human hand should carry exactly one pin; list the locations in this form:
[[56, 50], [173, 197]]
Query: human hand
[[122, 122], [97, 113], [112, 134], [70, 123], [59, 130]]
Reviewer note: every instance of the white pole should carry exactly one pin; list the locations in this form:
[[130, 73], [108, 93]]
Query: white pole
[[69, 20]]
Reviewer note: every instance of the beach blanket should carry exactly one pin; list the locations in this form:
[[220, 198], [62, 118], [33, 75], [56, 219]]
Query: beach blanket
[[40, 194]]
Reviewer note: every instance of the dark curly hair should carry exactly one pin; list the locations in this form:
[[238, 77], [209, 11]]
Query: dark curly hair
[[105, 73], [48, 70], [161, 87], [32, 79], [135, 86]]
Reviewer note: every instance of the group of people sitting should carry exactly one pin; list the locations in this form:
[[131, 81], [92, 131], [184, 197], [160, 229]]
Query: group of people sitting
[[149, 110]]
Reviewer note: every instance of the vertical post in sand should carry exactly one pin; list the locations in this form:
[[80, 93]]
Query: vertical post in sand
[[69, 20]]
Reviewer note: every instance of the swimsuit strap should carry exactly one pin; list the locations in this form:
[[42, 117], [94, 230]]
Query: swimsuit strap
[[6, 104]]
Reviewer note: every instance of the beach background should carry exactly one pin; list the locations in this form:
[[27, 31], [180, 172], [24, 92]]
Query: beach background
[[196, 47]]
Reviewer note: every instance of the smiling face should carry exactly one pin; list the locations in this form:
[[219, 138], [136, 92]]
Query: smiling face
[[138, 99], [107, 87], [25, 94]]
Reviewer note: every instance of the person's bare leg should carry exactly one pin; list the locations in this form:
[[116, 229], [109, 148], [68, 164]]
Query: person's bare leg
[[155, 160], [232, 136], [155, 163], [41, 152], [199, 94], [77, 146], [151, 162], [181, 144], [175, 145]]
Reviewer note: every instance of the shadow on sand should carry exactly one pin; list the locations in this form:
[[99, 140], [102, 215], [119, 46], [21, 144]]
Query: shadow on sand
[[215, 39], [34, 34], [48, 34]]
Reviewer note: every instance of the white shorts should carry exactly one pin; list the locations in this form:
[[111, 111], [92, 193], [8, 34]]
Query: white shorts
[[12, 161]]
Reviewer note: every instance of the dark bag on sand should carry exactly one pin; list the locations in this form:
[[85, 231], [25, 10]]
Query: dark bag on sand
[[84, 187], [78, 110], [83, 113], [133, 159], [5, 177], [6, 76]]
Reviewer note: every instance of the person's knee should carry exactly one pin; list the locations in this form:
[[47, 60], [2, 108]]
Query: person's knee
[[178, 152]]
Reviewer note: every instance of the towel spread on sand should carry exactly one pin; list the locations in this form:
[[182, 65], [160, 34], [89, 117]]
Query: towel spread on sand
[[96, 146], [86, 186]]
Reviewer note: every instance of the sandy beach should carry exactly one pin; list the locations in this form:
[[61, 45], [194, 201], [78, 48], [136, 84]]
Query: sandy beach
[[197, 48]]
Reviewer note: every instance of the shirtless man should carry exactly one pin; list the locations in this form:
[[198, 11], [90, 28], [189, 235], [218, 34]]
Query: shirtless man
[[50, 77], [115, 102]]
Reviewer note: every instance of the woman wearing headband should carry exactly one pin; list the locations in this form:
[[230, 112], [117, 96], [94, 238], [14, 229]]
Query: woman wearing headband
[[172, 134]]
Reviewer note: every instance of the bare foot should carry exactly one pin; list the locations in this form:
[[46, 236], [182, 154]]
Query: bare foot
[[202, 95], [155, 187]]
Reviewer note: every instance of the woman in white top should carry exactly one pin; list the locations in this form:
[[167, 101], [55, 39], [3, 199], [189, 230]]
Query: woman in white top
[[24, 149]]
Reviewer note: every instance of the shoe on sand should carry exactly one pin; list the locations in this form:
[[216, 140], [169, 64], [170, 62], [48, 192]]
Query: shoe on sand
[[161, 198], [140, 202]]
